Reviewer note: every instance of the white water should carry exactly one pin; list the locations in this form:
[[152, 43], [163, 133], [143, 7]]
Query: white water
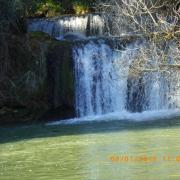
[[92, 24], [103, 84], [101, 78], [122, 116]]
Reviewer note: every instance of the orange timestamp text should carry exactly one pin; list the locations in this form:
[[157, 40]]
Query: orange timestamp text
[[142, 158]]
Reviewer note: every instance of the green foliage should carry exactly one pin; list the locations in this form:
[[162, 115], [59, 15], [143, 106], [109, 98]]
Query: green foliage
[[80, 7], [77, 6], [55, 7], [45, 8], [12, 12]]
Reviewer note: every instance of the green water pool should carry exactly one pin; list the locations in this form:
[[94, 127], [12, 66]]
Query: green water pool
[[91, 151]]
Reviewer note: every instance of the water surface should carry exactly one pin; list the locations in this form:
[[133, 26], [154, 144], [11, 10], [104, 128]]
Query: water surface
[[86, 151]]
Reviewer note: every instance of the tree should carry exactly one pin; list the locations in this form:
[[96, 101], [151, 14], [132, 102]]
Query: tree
[[142, 16], [156, 20]]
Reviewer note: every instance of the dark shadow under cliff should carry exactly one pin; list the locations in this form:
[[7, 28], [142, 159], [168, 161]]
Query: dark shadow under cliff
[[36, 78]]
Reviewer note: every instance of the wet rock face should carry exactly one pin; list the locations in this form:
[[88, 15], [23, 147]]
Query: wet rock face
[[41, 69], [60, 77], [135, 95], [74, 36]]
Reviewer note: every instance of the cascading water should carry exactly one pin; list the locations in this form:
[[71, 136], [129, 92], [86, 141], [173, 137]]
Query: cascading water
[[91, 24], [104, 85], [101, 84]]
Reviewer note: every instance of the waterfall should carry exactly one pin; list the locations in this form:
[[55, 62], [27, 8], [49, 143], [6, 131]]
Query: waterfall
[[99, 80], [104, 84], [91, 24]]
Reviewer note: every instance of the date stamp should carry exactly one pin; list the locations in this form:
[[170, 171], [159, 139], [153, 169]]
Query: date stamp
[[143, 158]]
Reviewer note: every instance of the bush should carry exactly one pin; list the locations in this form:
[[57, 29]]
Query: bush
[[77, 6], [46, 8], [80, 8], [55, 7]]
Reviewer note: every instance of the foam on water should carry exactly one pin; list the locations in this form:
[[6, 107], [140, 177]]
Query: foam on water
[[122, 116]]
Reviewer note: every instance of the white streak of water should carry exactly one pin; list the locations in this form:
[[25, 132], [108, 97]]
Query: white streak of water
[[122, 116]]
